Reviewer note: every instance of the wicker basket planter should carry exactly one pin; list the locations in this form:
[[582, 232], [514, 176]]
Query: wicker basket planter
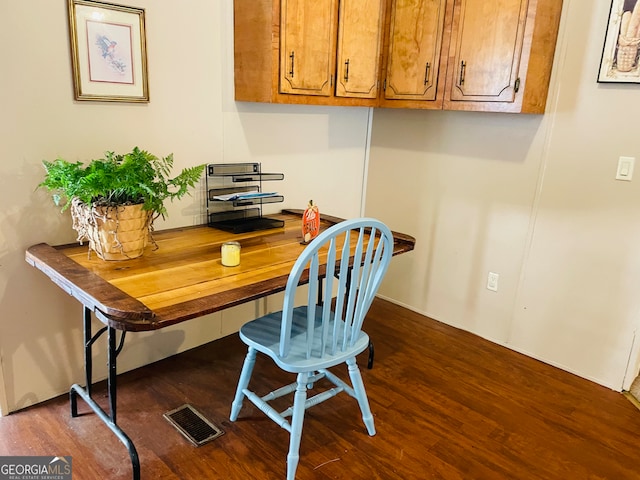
[[114, 200], [114, 233]]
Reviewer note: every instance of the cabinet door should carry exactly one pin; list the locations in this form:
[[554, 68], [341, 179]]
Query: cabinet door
[[487, 42], [307, 46], [415, 41], [359, 44]]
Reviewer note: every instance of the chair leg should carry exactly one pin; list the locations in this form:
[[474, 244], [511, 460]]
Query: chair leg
[[297, 420], [361, 395], [243, 382]]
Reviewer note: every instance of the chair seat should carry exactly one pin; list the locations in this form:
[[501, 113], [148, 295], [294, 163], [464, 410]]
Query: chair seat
[[263, 334]]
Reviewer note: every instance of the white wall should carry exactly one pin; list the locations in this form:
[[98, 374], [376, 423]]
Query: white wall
[[533, 198], [192, 114]]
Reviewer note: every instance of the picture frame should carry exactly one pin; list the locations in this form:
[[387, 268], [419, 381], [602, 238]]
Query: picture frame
[[620, 54], [108, 52]]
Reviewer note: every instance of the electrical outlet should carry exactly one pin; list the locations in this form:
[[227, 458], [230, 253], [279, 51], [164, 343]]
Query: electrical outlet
[[492, 281]]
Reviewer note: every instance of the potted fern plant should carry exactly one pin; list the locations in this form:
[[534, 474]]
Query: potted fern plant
[[114, 200]]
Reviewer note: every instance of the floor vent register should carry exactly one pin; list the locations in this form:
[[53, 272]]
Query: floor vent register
[[193, 425]]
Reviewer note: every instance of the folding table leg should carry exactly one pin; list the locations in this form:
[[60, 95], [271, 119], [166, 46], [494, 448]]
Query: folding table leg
[[85, 392]]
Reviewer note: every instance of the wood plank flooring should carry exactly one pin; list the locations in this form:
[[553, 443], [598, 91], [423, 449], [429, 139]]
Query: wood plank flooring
[[447, 405]]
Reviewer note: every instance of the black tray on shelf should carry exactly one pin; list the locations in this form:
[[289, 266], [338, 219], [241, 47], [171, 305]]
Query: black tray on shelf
[[242, 225]]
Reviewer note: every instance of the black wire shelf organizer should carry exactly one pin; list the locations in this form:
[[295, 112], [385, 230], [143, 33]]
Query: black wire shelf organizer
[[236, 194]]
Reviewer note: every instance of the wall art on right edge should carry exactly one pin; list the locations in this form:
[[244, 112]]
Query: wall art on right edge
[[620, 54]]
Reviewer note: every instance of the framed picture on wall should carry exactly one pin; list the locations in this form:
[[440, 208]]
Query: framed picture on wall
[[621, 46], [108, 52]]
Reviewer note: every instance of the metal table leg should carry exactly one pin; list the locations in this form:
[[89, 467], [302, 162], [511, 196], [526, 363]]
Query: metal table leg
[[85, 392]]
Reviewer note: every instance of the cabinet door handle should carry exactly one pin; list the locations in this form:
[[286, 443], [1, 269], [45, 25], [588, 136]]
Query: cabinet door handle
[[292, 57], [463, 66], [426, 73], [346, 71]]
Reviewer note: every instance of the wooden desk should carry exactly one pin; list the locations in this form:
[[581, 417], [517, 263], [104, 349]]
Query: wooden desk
[[182, 279]]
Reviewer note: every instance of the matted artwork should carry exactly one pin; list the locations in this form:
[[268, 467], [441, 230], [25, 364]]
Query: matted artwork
[[620, 54], [108, 52]]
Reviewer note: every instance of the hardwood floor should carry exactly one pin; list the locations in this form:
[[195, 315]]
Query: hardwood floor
[[447, 405]]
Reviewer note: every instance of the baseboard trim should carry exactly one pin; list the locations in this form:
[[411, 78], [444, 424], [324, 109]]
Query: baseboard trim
[[631, 398]]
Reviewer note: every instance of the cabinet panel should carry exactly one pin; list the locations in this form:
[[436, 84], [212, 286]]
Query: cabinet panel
[[254, 61], [488, 45], [415, 41], [501, 55], [307, 46], [359, 43]]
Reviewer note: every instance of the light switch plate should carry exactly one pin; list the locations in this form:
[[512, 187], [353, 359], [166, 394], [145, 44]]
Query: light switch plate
[[625, 168], [492, 281]]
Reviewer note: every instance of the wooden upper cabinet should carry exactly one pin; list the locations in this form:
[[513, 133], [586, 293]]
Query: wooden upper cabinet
[[501, 55], [319, 52], [307, 46], [487, 70], [494, 55], [359, 44], [416, 33], [483, 55]]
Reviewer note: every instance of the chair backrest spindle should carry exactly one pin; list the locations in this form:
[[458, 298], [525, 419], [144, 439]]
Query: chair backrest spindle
[[354, 270]]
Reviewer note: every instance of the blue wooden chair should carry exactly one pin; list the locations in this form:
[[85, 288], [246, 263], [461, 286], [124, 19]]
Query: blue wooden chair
[[326, 331]]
